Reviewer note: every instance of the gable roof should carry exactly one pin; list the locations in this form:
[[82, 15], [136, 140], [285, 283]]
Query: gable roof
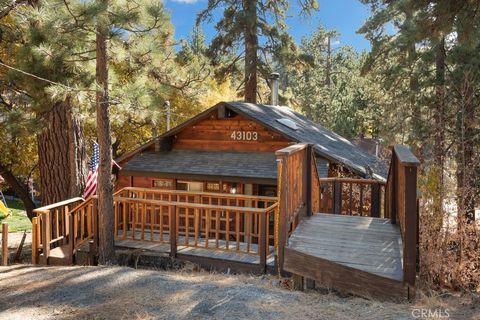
[[327, 143]]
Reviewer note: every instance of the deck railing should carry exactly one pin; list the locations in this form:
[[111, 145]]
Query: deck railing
[[83, 224], [401, 206], [50, 228], [346, 196], [294, 165], [183, 219], [211, 198], [227, 228]]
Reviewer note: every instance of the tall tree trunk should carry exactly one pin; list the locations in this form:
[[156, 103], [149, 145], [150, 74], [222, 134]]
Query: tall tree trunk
[[61, 154], [328, 66], [439, 145], [467, 181], [104, 182], [19, 188], [251, 47], [415, 135]]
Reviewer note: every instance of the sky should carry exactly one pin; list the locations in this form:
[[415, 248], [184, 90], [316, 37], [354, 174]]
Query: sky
[[346, 16]]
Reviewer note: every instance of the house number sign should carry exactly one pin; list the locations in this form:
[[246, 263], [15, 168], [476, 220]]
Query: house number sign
[[241, 135]]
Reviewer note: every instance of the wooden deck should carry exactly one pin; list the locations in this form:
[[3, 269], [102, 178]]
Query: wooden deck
[[221, 254], [361, 252]]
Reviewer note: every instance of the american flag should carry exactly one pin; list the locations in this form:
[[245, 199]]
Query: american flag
[[91, 187]]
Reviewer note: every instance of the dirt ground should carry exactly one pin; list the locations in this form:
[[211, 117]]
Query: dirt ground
[[28, 292]]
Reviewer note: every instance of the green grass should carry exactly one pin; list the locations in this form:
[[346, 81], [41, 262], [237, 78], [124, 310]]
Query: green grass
[[17, 220]]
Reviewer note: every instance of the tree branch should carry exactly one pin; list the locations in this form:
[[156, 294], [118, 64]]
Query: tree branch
[[19, 188]]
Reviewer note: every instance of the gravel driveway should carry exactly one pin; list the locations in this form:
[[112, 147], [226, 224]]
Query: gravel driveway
[[124, 293]]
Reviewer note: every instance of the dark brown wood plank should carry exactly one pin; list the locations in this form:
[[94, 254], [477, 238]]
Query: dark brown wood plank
[[343, 278], [370, 245]]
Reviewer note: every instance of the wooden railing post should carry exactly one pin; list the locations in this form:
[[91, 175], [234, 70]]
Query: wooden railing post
[[337, 197], [71, 235], [393, 200], [262, 245], [173, 231], [46, 235], [308, 180], [282, 213], [410, 238], [4, 244], [35, 243], [95, 226], [375, 200]]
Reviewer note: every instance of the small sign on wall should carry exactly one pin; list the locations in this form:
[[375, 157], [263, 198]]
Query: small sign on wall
[[163, 183]]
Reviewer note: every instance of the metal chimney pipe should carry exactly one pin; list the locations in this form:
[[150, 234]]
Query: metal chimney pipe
[[274, 88], [167, 107]]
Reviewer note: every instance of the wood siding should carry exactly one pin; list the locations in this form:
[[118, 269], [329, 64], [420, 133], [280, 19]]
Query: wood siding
[[214, 134]]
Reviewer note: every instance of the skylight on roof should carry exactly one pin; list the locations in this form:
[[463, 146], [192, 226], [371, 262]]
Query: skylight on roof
[[288, 123]]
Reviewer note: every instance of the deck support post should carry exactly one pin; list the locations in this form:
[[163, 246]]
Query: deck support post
[[308, 180], [262, 248], [70, 235], [337, 197], [298, 282], [4, 244], [173, 231], [410, 237], [282, 215], [309, 283], [46, 236], [94, 246], [375, 200], [35, 241]]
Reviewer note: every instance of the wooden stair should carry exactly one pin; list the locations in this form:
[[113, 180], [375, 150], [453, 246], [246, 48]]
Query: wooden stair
[[59, 256]]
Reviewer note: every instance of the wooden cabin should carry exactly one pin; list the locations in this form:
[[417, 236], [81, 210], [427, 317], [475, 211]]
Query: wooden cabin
[[231, 147], [255, 188]]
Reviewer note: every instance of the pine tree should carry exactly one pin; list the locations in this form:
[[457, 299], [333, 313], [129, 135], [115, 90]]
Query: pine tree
[[444, 33], [329, 88], [242, 24]]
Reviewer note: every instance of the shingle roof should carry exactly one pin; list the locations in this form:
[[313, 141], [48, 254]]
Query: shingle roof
[[225, 164], [327, 143]]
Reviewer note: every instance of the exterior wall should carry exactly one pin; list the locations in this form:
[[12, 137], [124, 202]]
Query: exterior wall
[[208, 186], [230, 134], [123, 181]]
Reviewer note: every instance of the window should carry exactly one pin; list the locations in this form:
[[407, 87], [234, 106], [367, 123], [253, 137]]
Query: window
[[190, 186], [182, 186]]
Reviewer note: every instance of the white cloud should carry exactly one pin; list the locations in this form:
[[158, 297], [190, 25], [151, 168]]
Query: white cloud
[[185, 1]]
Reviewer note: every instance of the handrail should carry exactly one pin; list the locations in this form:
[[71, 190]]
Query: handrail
[[353, 180], [292, 149], [197, 193], [191, 205], [57, 204], [405, 156], [83, 204]]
